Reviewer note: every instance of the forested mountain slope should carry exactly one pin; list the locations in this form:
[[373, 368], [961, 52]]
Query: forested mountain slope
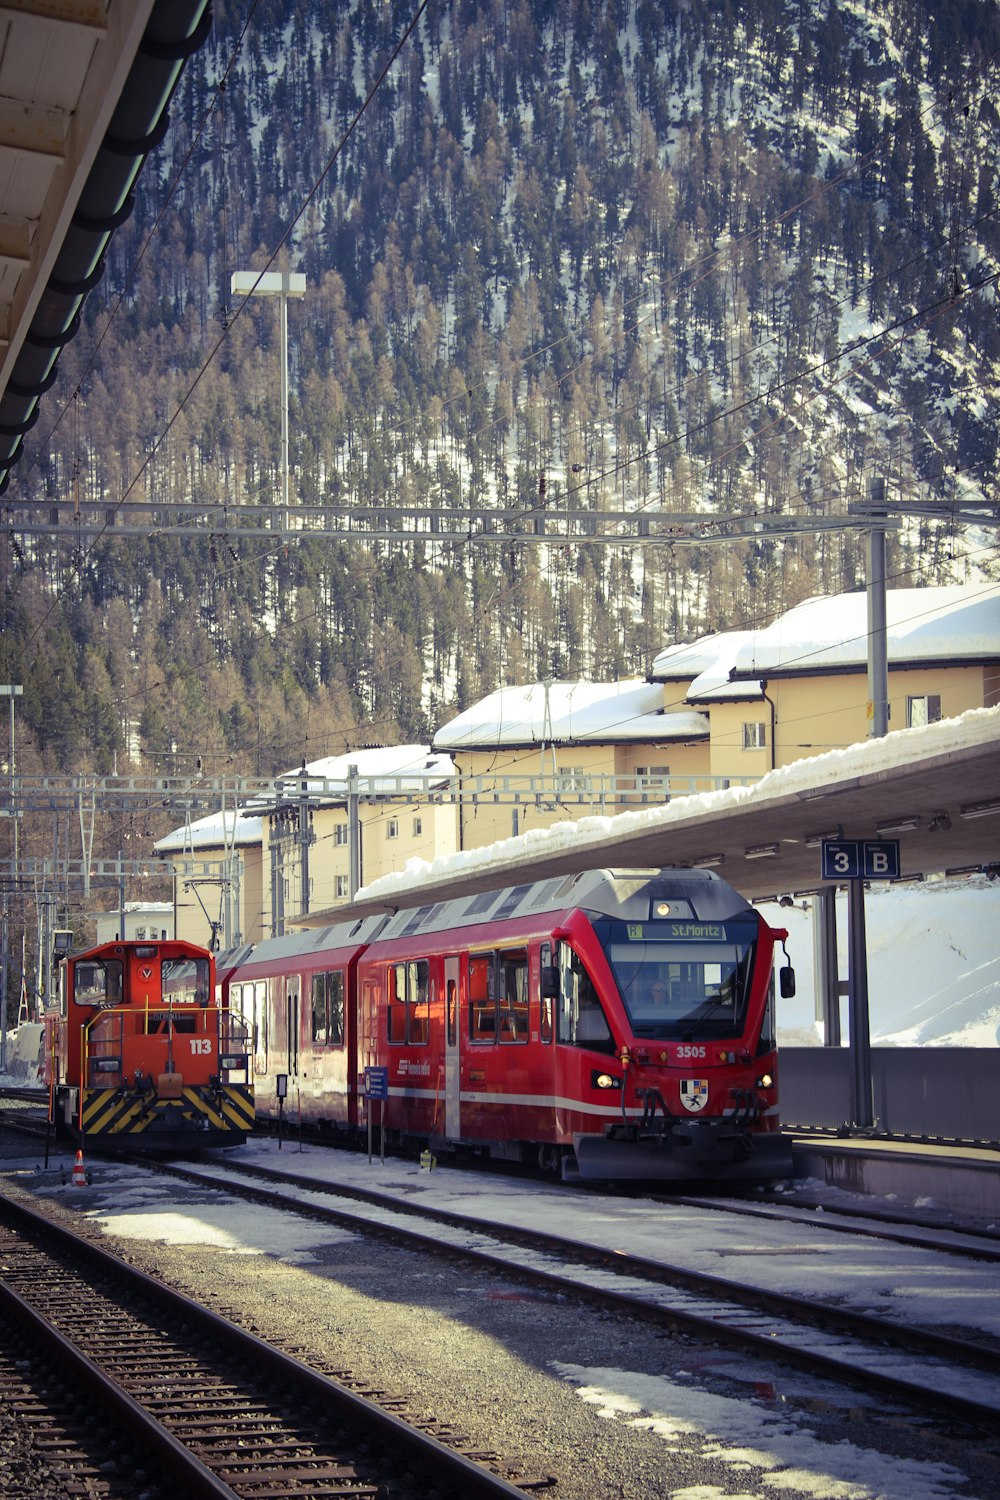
[[702, 257]]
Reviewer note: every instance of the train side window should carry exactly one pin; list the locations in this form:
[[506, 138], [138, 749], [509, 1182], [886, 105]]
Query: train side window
[[418, 1003], [327, 1003], [544, 1000], [581, 1020], [396, 987], [259, 1024], [513, 996], [452, 1004], [320, 1010], [482, 998], [335, 986]]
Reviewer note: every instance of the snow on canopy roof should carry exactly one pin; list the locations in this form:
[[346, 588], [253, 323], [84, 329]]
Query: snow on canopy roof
[[954, 623], [214, 831], [569, 713], [593, 832]]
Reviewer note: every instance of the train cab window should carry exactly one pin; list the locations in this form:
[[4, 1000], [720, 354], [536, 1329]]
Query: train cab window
[[328, 1009], [581, 1019], [482, 998], [409, 1003], [98, 983], [513, 995]]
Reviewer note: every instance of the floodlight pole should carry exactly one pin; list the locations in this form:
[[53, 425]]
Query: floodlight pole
[[280, 284], [10, 690]]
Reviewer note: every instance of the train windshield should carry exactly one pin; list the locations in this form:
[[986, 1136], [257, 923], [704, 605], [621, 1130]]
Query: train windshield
[[681, 980]]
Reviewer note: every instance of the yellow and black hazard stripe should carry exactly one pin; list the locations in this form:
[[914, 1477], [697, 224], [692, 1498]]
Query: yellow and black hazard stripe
[[226, 1112]]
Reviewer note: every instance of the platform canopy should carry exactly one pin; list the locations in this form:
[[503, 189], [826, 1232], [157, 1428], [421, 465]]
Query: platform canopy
[[935, 789]]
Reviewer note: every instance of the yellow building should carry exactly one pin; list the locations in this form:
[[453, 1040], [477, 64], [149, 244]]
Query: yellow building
[[549, 752], [799, 687], [332, 826]]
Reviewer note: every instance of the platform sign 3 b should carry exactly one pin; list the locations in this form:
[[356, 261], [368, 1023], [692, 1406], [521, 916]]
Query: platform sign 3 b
[[860, 859]]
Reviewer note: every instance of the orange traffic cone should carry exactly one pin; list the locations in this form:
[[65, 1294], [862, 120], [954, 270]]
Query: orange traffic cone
[[79, 1175]]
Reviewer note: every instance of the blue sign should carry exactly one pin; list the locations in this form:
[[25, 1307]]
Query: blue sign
[[376, 1083], [860, 859], [841, 860], [881, 859]]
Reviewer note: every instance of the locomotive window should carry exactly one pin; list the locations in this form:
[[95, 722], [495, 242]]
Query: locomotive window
[[581, 1019], [328, 1009], [545, 1001], [184, 981], [98, 983], [482, 998], [514, 996]]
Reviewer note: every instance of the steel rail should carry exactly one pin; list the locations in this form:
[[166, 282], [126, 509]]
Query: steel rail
[[422, 1449], [728, 1317]]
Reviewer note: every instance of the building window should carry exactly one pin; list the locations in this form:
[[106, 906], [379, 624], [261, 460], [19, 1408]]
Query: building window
[[340, 833], [418, 827], [653, 782], [573, 779], [754, 736], [140, 933], [340, 886], [926, 710], [392, 829]]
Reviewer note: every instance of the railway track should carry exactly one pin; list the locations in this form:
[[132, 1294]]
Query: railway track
[[913, 1365], [225, 1414]]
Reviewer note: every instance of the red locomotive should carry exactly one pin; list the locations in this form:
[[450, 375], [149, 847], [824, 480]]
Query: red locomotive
[[608, 1025], [141, 1055]]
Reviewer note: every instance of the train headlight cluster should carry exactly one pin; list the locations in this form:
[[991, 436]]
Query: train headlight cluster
[[604, 1080], [764, 1081]]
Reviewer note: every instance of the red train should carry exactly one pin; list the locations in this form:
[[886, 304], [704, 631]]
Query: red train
[[140, 1054], [606, 1025]]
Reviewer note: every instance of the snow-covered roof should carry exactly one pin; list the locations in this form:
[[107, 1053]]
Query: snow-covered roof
[[952, 624], [380, 768], [569, 713], [215, 831], [683, 662]]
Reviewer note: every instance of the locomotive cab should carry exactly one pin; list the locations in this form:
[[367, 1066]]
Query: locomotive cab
[[139, 1055]]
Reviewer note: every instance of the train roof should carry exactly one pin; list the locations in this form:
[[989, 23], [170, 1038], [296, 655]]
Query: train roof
[[628, 894], [350, 933]]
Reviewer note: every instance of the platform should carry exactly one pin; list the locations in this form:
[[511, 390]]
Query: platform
[[962, 1179]]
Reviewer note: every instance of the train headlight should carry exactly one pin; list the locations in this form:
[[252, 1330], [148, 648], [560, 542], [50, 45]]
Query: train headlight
[[764, 1081], [604, 1080]]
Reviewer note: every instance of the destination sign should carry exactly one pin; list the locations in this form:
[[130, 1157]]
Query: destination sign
[[665, 932]]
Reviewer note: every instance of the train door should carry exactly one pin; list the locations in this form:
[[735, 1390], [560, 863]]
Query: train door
[[293, 998], [452, 1075]]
